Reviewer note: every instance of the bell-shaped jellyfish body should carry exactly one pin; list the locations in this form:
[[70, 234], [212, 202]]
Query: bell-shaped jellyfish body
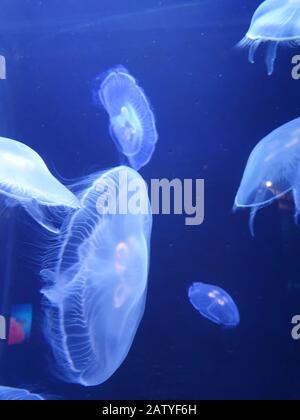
[[96, 277], [132, 122], [272, 171], [26, 180], [214, 304], [274, 22], [17, 394]]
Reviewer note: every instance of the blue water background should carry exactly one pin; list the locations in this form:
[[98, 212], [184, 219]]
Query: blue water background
[[212, 107]]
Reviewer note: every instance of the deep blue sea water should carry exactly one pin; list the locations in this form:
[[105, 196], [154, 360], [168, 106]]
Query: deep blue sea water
[[212, 107]]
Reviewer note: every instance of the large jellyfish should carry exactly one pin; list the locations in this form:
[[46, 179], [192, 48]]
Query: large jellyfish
[[274, 22], [214, 304], [25, 180], [132, 122], [272, 171], [17, 394], [96, 275]]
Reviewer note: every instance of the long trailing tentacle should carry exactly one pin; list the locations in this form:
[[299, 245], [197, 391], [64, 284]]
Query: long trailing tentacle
[[271, 56], [251, 44], [253, 212]]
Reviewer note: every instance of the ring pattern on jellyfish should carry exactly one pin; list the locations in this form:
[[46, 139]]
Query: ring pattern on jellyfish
[[214, 304], [95, 281], [274, 22], [132, 122]]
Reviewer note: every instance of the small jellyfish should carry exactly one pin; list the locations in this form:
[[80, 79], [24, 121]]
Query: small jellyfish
[[214, 304], [132, 122], [274, 22], [18, 394], [95, 277], [25, 180], [272, 171]]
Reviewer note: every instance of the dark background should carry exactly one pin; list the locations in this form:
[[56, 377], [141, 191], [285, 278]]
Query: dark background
[[212, 107]]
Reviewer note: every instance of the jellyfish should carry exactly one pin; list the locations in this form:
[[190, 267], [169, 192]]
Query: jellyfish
[[274, 22], [132, 122], [18, 394], [95, 276], [272, 171], [214, 304], [25, 180]]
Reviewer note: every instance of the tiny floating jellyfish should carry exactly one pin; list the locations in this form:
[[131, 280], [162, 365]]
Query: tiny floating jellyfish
[[274, 22], [132, 122], [95, 277], [17, 394], [25, 180], [272, 171], [214, 304]]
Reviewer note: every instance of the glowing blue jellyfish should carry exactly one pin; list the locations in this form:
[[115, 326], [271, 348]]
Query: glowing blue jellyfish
[[132, 123], [25, 180], [272, 171], [96, 276], [214, 304], [16, 394], [274, 22]]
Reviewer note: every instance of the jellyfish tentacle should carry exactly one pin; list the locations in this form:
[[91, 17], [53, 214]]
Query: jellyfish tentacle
[[252, 217], [271, 56], [35, 211], [252, 50], [296, 195]]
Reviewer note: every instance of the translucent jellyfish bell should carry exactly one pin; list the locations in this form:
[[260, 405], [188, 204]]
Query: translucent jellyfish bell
[[274, 22], [96, 275], [17, 394], [26, 180], [272, 171], [132, 122], [214, 304]]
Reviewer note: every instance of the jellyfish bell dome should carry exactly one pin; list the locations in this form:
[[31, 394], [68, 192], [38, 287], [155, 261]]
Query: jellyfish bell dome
[[274, 22], [95, 276], [277, 20], [214, 304], [132, 121], [18, 394], [24, 175], [272, 170], [26, 180]]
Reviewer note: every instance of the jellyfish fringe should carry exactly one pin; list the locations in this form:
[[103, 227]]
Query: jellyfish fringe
[[271, 47]]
